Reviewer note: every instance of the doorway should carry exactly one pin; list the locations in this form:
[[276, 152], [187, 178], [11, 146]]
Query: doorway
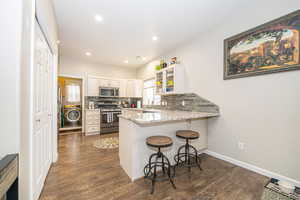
[[70, 105]]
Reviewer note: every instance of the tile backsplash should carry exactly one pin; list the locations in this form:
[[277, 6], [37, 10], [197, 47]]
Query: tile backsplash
[[113, 101], [186, 102]]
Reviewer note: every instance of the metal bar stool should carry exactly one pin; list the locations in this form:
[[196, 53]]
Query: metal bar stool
[[159, 161], [187, 155]]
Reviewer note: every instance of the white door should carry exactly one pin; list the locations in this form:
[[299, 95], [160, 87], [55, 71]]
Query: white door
[[42, 107]]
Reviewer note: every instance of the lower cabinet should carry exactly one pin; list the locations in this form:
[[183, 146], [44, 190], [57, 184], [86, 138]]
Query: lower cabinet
[[92, 122]]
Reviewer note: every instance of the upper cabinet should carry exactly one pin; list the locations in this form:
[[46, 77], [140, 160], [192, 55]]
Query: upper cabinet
[[170, 80], [109, 83], [93, 85], [123, 88], [139, 85], [134, 88], [127, 87]]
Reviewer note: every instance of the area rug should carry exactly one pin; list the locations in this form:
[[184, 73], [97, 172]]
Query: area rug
[[107, 143]]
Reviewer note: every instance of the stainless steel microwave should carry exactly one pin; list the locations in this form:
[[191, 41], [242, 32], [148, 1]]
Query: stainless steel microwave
[[109, 92]]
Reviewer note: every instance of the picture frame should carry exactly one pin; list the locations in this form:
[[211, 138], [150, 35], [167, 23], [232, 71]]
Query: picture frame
[[269, 48]]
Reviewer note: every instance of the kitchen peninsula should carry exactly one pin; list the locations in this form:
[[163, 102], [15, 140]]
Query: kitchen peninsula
[[138, 124]]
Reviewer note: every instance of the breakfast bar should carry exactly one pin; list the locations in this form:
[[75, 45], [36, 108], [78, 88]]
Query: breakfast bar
[[136, 125]]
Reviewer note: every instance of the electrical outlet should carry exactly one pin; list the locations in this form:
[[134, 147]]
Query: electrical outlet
[[241, 145], [183, 103]]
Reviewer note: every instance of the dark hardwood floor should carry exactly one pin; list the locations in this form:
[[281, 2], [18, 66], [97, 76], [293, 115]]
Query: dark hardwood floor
[[84, 172]]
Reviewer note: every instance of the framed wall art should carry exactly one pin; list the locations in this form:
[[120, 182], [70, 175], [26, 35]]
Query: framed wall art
[[268, 48]]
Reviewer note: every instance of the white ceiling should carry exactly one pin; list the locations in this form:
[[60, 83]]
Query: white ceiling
[[128, 26]]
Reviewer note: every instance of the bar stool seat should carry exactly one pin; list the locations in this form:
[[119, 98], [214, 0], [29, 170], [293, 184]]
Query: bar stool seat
[[159, 167], [159, 141], [187, 134]]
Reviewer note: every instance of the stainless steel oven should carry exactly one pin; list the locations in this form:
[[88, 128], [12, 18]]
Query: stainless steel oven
[[109, 121], [108, 92]]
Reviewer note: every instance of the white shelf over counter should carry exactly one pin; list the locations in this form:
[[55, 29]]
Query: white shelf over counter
[[171, 80]]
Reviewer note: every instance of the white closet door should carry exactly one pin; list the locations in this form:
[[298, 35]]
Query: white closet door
[[41, 143]]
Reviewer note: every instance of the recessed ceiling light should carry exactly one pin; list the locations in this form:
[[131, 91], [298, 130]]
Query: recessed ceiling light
[[58, 42], [144, 58], [98, 18], [88, 53], [126, 61], [154, 38]]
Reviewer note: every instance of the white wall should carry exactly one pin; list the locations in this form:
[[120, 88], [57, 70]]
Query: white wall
[[75, 67], [261, 111], [46, 16], [147, 71], [10, 40]]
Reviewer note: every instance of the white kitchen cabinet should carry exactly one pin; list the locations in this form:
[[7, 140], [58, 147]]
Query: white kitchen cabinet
[[93, 85], [170, 80], [134, 88], [109, 83], [130, 88], [138, 90], [127, 87], [92, 122], [114, 83], [103, 82], [123, 88]]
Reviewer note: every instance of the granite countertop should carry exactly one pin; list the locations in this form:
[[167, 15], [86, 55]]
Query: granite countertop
[[146, 117]]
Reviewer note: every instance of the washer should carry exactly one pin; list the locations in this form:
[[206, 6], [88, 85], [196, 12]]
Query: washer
[[72, 115]]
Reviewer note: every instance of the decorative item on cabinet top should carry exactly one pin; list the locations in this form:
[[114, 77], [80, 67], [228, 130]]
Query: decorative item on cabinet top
[[164, 64]]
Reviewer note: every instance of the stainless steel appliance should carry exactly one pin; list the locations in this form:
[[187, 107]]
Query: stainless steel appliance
[[109, 120], [108, 92]]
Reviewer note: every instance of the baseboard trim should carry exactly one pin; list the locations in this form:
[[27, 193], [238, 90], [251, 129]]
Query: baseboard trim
[[253, 168]]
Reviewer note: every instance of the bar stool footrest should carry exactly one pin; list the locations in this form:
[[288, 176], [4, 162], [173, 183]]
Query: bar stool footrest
[[181, 162]]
